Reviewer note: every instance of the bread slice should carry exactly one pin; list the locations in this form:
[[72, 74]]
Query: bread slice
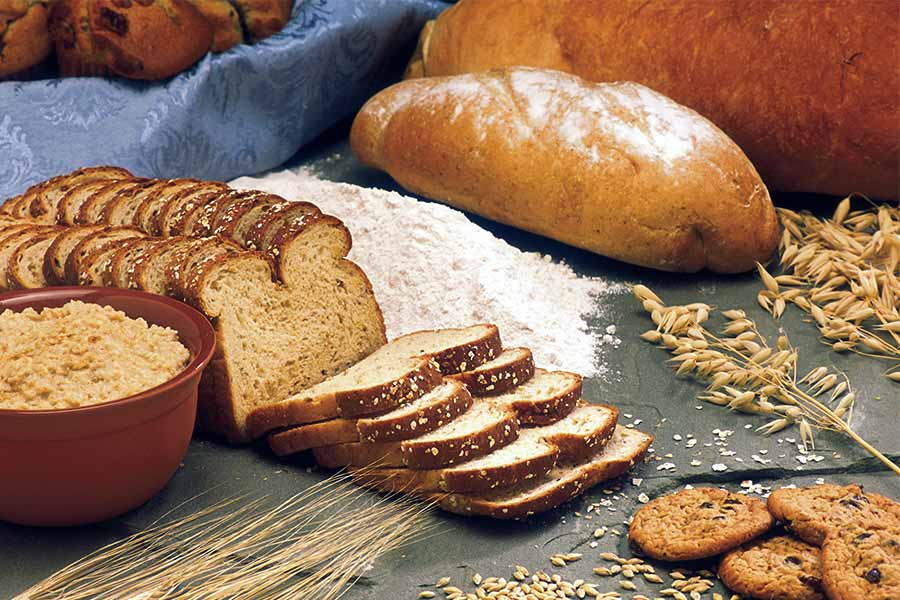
[[10, 242], [125, 260], [146, 218], [91, 211], [182, 273], [120, 211], [25, 267], [264, 230], [92, 242], [40, 201], [178, 221], [428, 412], [151, 274], [71, 202], [94, 269], [184, 201], [582, 432], [367, 381], [371, 386], [205, 222], [564, 482], [510, 368], [243, 223], [528, 457], [16, 207], [545, 398], [59, 250]]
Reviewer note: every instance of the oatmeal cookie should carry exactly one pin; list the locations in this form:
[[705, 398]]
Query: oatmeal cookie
[[776, 568]]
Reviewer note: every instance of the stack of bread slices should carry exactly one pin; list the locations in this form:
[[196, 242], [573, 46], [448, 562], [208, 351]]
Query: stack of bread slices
[[451, 416], [289, 309]]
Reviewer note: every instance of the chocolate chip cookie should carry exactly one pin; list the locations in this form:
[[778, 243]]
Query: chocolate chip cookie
[[776, 568], [697, 523], [862, 561], [811, 512]]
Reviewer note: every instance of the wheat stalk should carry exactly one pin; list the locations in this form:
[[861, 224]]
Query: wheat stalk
[[843, 272], [312, 546], [744, 373]]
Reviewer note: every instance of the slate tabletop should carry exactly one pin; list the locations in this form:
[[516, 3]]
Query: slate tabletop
[[638, 382]]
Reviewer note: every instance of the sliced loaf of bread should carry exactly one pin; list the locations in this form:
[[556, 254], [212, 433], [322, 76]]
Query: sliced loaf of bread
[[41, 200], [428, 412], [120, 211], [11, 241], [92, 242], [146, 217], [183, 202], [25, 267], [70, 203], [241, 224], [563, 483], [91, 211], [509, 369], [59, 250]]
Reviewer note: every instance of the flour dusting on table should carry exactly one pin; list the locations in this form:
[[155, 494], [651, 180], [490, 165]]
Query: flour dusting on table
[[432, 267]]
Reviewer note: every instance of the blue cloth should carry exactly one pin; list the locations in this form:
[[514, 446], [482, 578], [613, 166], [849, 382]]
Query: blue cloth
[[235, 113]]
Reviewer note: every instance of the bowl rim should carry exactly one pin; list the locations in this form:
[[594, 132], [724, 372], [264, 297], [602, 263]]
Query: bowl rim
[[94, 295]]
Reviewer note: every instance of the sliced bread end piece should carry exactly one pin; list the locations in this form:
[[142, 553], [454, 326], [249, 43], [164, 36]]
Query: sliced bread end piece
[[563, 483], [510, 369]]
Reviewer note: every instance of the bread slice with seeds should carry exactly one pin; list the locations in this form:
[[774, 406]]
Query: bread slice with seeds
[[121, 210], [183, 202], [373, 385], [510, 368], [146, 218], [481, 430], [563, 483], [528, 457], [59, 250], [151, 274], [25, 267], [427, 413], [545, 398], [124, 262], [378, 373], [264, 230], [205, 222], [93, 269], [582, 432], [180, 274], [70, 203], [239, 229], [40, 201], [91, 211], [89, 244], [10, 242]]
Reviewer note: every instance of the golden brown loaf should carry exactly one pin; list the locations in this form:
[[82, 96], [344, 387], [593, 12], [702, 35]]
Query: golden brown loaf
[[613, 168], [24, 41], [807, 89]]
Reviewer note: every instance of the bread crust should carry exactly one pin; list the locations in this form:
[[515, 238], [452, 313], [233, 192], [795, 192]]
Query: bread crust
[[613, 168], [550, 407], [779, 78], [146, 217], [91, 211], [501, 378], [44, 197], [87, 245], [182, 202], [59, 250], [15, 278]]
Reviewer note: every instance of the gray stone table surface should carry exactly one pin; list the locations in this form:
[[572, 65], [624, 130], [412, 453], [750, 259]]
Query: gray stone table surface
[[638, 382]]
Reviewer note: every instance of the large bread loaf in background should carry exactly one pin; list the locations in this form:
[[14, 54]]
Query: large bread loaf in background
[[613, 168], [809, 90]]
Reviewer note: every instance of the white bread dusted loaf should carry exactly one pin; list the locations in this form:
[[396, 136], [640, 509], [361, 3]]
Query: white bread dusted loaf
[[616, 168]]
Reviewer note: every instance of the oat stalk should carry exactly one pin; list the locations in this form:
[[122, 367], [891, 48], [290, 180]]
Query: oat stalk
[[745, 374], [312, 546], [843, 272]]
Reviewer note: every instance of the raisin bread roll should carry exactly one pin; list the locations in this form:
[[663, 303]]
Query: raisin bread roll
[[139, 39], [616, 169], [24, 35], [807, 89]]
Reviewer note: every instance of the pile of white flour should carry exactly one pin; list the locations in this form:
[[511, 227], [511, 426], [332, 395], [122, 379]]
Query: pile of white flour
[[432, 267]]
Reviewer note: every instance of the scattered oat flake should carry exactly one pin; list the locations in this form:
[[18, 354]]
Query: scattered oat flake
[[719, 467]]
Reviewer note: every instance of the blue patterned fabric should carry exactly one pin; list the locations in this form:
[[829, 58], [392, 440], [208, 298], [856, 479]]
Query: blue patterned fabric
[[235, 113]]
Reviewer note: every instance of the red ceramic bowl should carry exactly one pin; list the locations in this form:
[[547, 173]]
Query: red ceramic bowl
[[83, 465]]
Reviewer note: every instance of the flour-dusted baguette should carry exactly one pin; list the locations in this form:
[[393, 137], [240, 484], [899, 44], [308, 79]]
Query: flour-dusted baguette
[[807, 89], [510, 368], [563, 483], [614, 168], [430, 411]]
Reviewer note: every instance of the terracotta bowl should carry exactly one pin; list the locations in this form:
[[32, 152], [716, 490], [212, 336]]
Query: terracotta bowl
[[83, 465]]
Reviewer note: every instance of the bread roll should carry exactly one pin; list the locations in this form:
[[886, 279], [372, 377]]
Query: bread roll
[[24, 36], [613, 168], [809, 90]]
